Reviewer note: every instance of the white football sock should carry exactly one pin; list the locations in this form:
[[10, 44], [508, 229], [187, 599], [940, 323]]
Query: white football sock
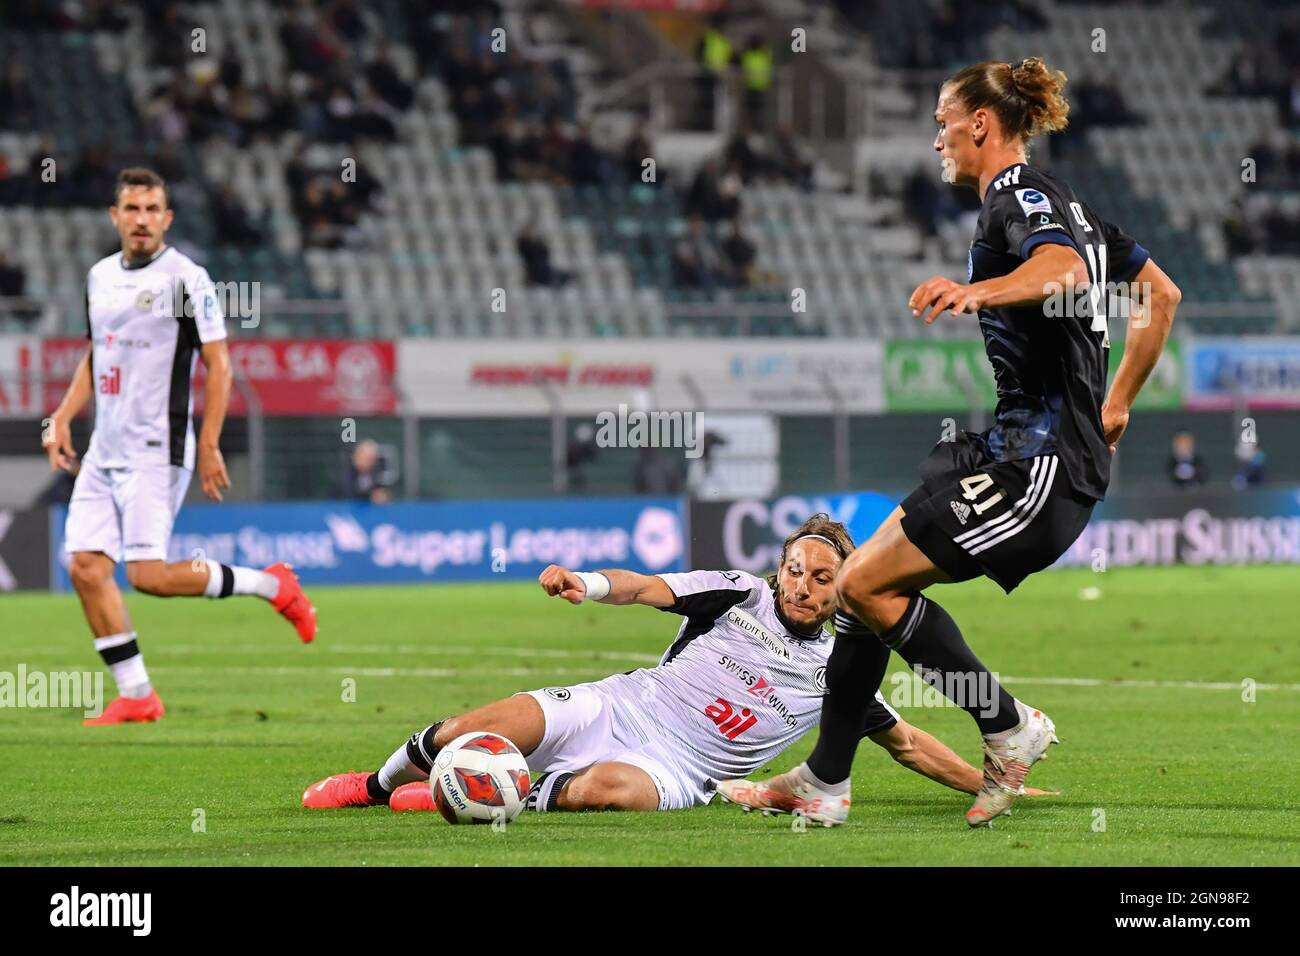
[[399, 770], [128, 671], [834, 789], [225, 580]]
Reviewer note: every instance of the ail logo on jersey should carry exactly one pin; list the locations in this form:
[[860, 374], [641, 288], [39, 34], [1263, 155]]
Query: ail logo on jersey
[[1032, 201], [731, 723], [755, 630], [110, 383]]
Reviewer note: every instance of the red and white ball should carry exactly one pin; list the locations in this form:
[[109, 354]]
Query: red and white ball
[[479, 778]]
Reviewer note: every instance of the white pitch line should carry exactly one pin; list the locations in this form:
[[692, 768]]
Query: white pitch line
[[447, 650], [526, 671], [433, 650], [375, 671], [1125, 682]]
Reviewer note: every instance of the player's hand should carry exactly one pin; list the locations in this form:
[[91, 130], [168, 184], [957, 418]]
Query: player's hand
[[1035, 792], [942, 295], [1113, 422], [212, 471], [57, 439], [558, 581]]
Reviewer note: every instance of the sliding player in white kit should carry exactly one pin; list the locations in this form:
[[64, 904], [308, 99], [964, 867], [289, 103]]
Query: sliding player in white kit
[[743, 680], [150, 313]]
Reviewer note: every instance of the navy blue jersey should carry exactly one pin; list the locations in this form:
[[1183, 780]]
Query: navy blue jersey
[[1050, 367]]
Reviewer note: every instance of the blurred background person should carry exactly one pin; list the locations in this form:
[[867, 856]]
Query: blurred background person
[[363, 478], [1186, 470]]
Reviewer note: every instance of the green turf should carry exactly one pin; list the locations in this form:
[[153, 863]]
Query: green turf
[[1183, 775]]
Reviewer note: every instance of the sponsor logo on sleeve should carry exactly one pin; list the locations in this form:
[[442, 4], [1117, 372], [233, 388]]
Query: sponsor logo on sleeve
[[1032, 201]]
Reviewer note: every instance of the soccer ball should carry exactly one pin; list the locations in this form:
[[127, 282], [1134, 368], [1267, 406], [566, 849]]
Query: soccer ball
[[479, 778]]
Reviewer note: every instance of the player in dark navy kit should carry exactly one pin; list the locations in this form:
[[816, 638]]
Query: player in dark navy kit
[[1009, 501]]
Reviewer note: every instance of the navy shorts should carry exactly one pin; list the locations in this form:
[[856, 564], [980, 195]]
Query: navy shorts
[[973, 516]]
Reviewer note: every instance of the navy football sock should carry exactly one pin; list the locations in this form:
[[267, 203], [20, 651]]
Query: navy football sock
[[928, 638]]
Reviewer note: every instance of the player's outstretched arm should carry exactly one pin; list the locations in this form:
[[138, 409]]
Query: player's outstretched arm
[[1146, 338], [216, 398], [1050, 268], [624, 587], [930, 757], [57, 437]]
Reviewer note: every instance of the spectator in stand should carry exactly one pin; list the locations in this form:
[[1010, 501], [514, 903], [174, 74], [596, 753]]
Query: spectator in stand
[[364, 479], [714, 195], [714, 56], [1250, 466], [657, 474], [230, 220], [13, 189], [321, 230], [588, 166], [17, 104], [788, 162], [740, 253], [635, 152], [697, 263], [536, 255], [13, 284], [387, 82], [579, 454], [756, 76], [741, 155], [1186, 470], [1238, 231], [13, 280]]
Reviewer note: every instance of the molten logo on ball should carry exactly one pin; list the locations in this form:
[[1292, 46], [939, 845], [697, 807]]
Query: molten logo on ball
[[479, 778]]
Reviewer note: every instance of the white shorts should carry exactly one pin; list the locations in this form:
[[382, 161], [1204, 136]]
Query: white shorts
[[598, 722], [127, 513]]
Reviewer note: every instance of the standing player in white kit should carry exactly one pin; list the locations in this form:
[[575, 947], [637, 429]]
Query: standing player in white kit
[[743, 680], [150, 312]]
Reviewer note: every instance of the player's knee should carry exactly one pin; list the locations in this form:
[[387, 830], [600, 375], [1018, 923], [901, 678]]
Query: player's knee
[[450, 729], [596, 792], [88, 573], [856, 591]]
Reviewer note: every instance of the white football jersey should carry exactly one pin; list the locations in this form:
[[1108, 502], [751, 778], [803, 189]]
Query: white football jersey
[[736, 686], [147, 324]]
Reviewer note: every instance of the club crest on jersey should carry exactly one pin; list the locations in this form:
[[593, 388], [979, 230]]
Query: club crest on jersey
[[755, 630], [819, 679], [145, 300], [1032, 201]]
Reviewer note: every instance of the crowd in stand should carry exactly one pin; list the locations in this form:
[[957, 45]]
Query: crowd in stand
[[1269, 69]]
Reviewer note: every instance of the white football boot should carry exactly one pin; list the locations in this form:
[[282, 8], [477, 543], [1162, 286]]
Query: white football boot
[[787, 792], [1007, 762]]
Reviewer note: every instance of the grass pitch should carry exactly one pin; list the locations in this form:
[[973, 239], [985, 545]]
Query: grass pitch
[[1162, 760]]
